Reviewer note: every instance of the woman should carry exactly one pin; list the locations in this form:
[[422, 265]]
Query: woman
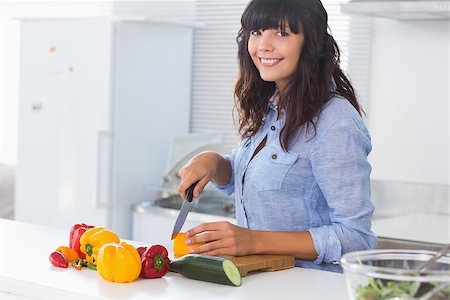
[[300, 176]]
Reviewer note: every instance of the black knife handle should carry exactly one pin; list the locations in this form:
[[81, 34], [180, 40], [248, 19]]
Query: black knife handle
[[190, 192]]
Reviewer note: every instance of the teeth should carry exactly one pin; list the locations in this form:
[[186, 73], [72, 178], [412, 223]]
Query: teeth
[[270, 61]]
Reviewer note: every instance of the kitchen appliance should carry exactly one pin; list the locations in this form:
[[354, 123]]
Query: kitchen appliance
[[100, 99]]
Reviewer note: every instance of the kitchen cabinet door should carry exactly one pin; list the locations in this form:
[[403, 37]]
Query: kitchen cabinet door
[[64, 104]]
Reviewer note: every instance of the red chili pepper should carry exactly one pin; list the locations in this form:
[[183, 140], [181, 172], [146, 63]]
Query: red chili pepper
[[58, 260], [155, 261], [76, 232]]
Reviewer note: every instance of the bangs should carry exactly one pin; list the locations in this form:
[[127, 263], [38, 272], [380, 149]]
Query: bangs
[[271, 14]]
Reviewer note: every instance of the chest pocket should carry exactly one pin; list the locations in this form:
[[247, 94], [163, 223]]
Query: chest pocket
[[271, 166]]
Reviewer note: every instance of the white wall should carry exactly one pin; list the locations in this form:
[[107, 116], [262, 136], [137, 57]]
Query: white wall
[[409, 101], [9, 57]]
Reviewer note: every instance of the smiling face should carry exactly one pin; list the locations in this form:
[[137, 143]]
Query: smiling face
[[275, 53]]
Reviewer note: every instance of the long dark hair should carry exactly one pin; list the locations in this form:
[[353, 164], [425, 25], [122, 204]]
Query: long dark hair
[[312, 84]]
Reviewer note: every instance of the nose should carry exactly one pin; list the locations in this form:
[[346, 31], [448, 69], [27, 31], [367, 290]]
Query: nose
[[265, 42]]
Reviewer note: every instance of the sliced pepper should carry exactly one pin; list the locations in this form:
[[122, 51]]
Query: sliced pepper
[[119, 262], [93, 239], [69, 253], [58, 259], [179, 247]]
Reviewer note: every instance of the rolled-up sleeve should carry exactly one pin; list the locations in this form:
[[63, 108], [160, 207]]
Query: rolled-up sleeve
[[342, 171], [229, 187]]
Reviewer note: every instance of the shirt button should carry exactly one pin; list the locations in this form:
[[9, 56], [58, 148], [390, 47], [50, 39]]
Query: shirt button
[[272, 128], [274, 156]]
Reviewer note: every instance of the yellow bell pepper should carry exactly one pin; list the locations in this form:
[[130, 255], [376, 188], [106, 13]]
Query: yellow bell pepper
[[119, 262], [93, 239]]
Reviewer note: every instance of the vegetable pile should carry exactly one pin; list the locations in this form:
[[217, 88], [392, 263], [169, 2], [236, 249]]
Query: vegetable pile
[[100, 249], [379, 289]]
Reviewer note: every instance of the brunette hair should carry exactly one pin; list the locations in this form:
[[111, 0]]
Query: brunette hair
[[311, 85]]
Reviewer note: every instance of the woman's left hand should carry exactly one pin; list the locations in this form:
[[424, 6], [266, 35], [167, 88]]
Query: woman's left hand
[[220, 238]]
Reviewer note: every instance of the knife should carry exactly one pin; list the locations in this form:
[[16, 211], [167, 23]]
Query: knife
[[185, 208]]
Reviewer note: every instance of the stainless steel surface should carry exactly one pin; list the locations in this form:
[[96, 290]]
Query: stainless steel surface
[[210, 202], [387, 243], [185, 208]]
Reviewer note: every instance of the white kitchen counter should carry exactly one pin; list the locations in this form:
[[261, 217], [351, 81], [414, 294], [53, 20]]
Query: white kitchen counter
[[25, 271]]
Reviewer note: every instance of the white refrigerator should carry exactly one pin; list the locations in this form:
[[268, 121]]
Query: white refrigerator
[[100, 98]]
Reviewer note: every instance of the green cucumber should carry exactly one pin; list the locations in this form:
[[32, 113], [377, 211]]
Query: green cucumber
[[207, 268]]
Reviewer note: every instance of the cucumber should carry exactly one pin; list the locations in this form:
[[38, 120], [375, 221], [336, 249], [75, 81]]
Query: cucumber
[[207, 268]]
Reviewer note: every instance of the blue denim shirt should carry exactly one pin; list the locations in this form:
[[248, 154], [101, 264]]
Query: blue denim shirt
[[321, 185]]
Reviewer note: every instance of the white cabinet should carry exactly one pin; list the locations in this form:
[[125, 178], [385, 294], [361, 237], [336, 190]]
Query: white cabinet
[[99, 101]]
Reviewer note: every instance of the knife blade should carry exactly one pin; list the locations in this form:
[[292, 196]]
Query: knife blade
[[185, 208]]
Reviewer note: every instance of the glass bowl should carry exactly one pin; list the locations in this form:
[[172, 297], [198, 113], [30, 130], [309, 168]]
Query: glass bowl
[[392, 274]]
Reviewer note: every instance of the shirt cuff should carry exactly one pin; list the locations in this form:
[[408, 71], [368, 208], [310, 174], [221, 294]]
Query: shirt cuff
[[327, 244]]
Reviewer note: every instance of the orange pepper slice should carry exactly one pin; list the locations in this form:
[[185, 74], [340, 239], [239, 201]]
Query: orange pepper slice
[[179, 248], [69, 253]]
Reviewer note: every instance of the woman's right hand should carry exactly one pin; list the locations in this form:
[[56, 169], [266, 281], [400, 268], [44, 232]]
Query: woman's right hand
[[202, 168]]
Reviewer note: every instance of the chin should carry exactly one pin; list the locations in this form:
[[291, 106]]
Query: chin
[[267, 78]]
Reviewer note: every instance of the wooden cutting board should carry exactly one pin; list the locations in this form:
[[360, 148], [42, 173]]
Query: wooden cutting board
[[249, 263]]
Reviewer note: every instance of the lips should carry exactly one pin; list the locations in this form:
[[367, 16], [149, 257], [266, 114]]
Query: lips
[[269, 62]]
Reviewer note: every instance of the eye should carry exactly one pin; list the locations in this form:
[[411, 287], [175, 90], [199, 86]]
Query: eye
[[282, 33], [255, 32]]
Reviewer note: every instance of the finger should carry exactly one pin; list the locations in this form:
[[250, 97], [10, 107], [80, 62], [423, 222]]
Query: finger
[[218, 252], [186, 180], [185, 183], [206, 237], [211, 246], [200, 186], [180, 171], [181, 189], [212, 226], [196, 230]]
